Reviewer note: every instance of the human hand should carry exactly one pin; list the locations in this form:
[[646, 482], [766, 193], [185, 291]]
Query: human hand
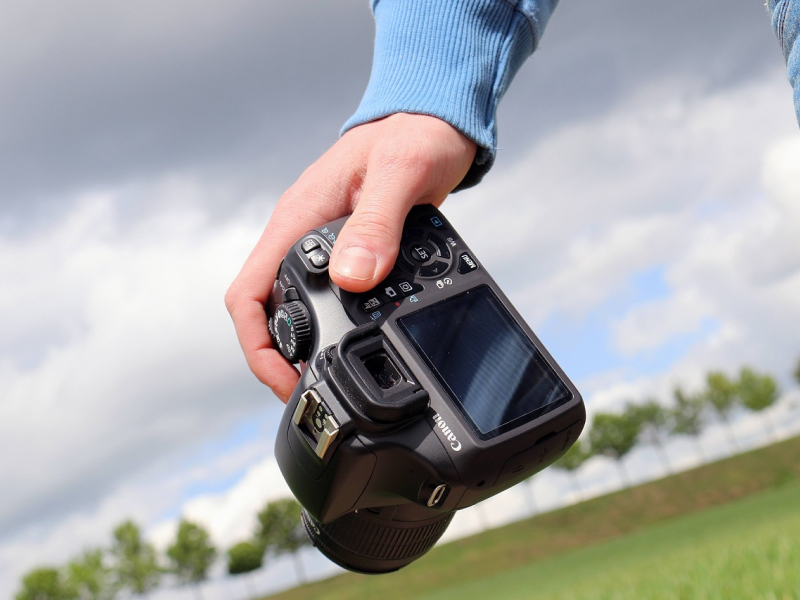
[[376, 172]]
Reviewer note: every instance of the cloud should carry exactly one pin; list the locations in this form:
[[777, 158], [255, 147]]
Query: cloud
[[230, 516], [653, 324], [132, 355], [596, 200], [780, 175], [94, 95]]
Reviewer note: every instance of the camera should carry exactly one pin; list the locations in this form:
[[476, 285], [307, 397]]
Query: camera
[[423, 396]]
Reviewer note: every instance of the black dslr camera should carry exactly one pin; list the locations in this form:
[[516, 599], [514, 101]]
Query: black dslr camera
[[425, 395]]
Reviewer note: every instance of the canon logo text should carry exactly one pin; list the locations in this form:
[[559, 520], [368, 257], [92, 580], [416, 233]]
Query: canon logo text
[[447, 432]]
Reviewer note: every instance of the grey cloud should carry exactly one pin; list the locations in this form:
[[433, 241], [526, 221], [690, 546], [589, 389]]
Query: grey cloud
[[92, 95]]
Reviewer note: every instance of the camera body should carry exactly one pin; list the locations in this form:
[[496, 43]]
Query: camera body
[[423, 396]]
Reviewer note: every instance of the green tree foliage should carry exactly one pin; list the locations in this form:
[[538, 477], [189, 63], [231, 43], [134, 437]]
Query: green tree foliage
[[136, 565], [46, 583], [758, 392], [574, 458], [687, 417], [721, 395], [614, 435], [245, 557], [90, 577], [797, 372], [653, 422], [281, 530], [192, 554]]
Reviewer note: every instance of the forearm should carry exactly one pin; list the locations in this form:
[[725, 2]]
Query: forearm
[[786, 24], [453, 60]]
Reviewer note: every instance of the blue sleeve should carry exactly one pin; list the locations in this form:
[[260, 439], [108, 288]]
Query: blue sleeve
[[786, 24], [451, 59]]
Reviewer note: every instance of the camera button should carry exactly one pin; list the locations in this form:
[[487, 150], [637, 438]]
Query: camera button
[[319, 258], [277, 292], [466, 263], [370, 303], [442, 251], [290, 294], [434, 270], [435, 221], [421, 252], [390, 293], [309, 244], [407, 288]]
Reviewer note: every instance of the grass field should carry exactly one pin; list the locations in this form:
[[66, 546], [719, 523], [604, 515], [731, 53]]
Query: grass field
[[726, 530], [747, 549]]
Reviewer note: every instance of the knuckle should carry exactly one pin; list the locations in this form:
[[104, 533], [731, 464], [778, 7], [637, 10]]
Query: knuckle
[[373, 224], [231, 299]]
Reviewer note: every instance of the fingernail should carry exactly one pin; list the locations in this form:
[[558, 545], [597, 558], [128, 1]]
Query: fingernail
[[357, 263]]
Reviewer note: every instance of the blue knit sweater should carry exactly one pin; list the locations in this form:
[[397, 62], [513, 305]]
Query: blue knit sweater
[[454, 59]]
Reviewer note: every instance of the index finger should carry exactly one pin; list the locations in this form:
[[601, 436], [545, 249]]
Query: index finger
[[300, 209]]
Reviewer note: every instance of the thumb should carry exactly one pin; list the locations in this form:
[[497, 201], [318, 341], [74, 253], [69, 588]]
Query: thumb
[[412, 159], [367, 246]]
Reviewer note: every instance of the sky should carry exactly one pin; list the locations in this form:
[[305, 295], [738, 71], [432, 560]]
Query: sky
[[642, 215]]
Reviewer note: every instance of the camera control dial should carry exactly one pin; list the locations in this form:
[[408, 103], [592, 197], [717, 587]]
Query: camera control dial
[[291, 330]]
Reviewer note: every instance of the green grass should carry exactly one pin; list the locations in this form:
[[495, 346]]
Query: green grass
[[730, 529], [747, 549]]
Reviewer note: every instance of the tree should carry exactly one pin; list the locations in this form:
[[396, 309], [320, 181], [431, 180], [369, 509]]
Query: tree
[[757, 393], [721, 395], [136, 565], [797, 372], [614, 436], [90, 577], [192, 554], [687, 417], [281, 531], [572, 460], [46, 583], [246, 557], [653, 422]]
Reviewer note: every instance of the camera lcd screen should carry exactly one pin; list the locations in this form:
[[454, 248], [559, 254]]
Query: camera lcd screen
[[490, 368]]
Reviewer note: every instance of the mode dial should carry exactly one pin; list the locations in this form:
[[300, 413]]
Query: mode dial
[[291, 330]]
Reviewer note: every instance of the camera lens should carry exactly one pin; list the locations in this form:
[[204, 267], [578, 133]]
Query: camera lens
[[379, 540]]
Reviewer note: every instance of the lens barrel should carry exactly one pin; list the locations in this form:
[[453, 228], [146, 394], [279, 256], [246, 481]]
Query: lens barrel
[[378, 541]]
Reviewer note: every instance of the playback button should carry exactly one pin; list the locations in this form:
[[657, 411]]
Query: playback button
[[466, 264], [310, 244]]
